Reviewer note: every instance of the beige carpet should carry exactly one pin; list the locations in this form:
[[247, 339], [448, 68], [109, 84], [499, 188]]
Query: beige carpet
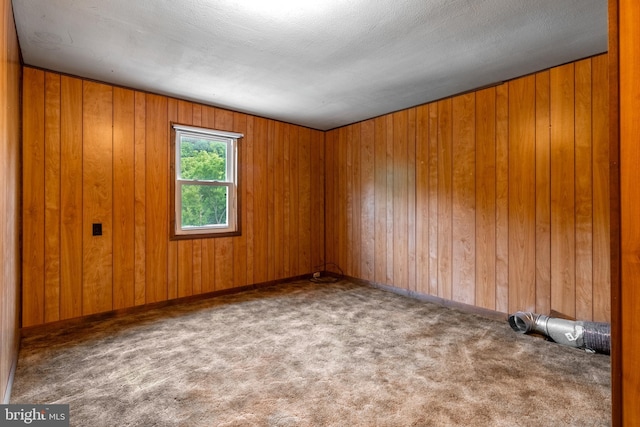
[[304, 354]]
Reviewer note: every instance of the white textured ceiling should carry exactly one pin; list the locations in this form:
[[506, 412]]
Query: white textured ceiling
[[317, 63]]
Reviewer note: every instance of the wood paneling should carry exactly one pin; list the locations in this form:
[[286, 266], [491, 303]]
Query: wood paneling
[[492, 198], [261, 196], [502, 198], [400, 192], [317, 199], [522, 187], [485, 192], [52, 183], [421, 200], [173, 248], [10, 127], [240, 243], [157, 198], [380, 195], [71, 199], [464, 198], [601, 205], [33, 170], [563, 260], [95, 153], [445, 200], [583, 190], [123, 198], [184, 262], [411, 202], [628, 67], [97, 198], [543, 194], [140, 237], [367, 200], [432, 195], [224, 246]]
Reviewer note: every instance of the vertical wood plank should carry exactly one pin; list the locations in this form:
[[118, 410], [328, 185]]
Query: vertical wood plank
[[249, 200], [185, 272], [240, 243], [157, 198], [400, 199], [380, 159], [422, 199], [628, 12], [173, 246], [390, 200], [367, 199], [304, 201], [411, 200], [185, 247], [260, 195], [224, 245], [486, 198], [432, 163], [294, 196], [197, 243], [270, 212], [522, 239], [318, 200], [342, 203], [601, 205], [464, 198], [583, 191], [356, 219], [289, 193], [33, 215], [140, 198], [502, 198], [11, 219], [330, 196], [346, 140], [208, 255], [123, 198], [71, 198], [279, 236], [563, 190], [97, 197], [445, 200], [543, 195], [52, 185]]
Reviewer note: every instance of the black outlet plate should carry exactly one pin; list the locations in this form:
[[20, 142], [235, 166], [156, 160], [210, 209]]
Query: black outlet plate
[[97, 229]]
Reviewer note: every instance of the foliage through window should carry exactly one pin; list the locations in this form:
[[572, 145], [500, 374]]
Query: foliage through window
[[205, 182]]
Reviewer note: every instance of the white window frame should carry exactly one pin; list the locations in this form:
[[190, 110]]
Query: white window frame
[[231, 139]]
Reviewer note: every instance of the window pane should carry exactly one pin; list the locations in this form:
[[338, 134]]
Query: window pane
[[202, 158], [204, 205]]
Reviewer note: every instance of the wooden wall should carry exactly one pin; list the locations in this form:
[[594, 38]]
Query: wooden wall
[[99, 153], [10, 73], [497, 198], [626, 363]]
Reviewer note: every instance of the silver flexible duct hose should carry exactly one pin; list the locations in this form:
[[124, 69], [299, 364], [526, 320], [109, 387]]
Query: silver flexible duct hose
[[590, 336]]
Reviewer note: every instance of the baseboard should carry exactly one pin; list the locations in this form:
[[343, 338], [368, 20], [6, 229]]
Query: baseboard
[[468, 308], [61, 324]]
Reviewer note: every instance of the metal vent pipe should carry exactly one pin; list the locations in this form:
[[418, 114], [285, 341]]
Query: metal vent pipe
[[590, 336]]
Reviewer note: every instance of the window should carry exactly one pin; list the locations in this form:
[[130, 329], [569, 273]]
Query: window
[[205, 184]]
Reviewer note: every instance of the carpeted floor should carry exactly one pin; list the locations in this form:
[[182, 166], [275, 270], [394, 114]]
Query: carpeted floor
[[304, 354]]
